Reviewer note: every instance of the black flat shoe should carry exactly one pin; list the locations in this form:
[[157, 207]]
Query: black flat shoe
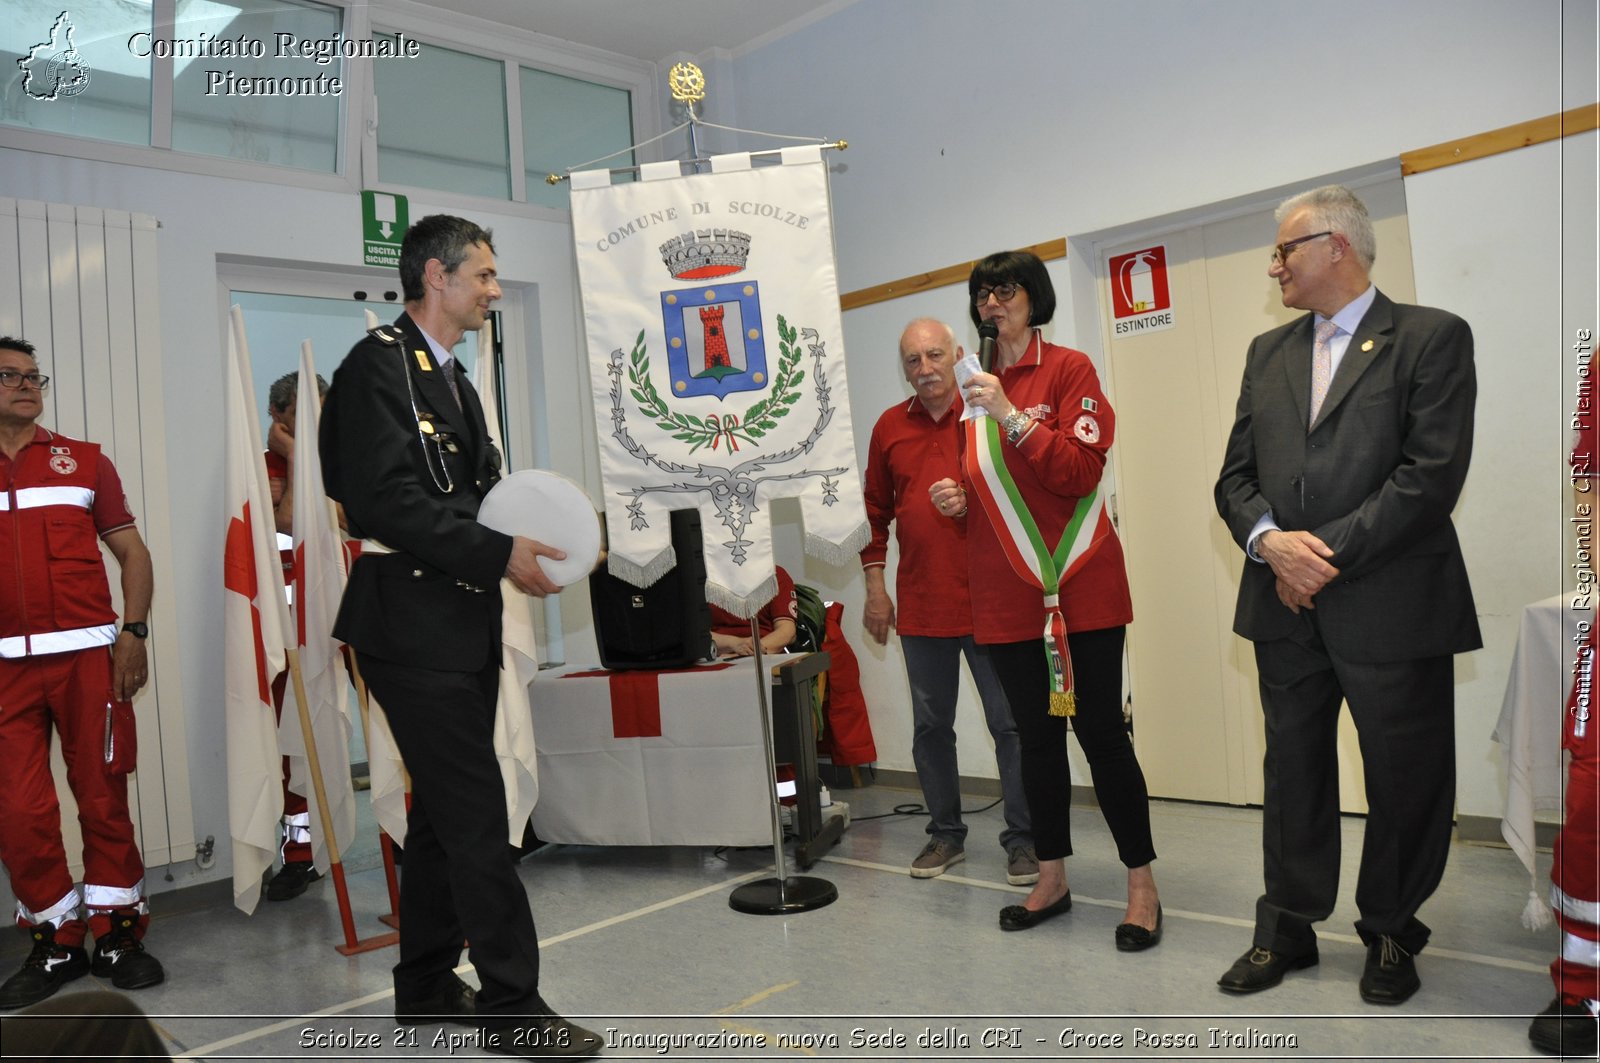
[[1131, 937], [1017, 917]]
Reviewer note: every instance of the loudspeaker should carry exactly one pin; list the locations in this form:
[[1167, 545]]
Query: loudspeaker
[[664, 625]]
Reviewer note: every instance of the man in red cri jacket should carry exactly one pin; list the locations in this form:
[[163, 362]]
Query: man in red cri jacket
[[66, 662]]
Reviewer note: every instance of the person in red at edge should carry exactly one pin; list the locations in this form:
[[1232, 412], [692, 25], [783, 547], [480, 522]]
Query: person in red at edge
[[1567, 1027], [64, 661], [1055, 427], [297, 871], [775, 622]]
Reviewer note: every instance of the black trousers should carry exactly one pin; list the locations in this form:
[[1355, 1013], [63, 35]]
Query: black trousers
[[1404, 714], [1046, 773], [458, 882]]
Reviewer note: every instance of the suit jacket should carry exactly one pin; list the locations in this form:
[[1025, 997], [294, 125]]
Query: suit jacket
[[1375, 478], [411, 468]]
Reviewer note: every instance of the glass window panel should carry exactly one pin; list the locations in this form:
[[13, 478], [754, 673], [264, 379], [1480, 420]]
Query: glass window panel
[[277, 107], [442, 122], [567, 122], [80, 70]]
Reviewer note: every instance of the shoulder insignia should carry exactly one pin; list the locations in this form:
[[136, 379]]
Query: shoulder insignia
[[384, 334], [1090, 405]]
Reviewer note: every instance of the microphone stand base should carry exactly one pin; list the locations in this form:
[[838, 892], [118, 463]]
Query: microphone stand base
[[771, 896]]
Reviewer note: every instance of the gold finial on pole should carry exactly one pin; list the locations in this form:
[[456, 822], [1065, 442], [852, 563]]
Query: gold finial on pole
[[687, 83]]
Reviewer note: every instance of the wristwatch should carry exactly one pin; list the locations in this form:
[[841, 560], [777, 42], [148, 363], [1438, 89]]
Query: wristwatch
[[137, 629], [1015, 424]]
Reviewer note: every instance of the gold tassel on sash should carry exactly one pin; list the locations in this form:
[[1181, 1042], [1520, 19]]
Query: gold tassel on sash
[[1063, 696]]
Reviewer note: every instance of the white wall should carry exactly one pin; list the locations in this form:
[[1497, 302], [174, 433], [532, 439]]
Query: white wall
[[975, 127]]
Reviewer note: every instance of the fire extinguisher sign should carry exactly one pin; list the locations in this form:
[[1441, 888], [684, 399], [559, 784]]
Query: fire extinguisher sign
[[1140, 298]]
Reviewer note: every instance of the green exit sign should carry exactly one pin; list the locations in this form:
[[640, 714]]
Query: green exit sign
[[384, 219]]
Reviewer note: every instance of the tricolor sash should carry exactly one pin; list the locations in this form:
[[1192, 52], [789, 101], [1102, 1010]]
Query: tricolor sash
[[1025, 547]]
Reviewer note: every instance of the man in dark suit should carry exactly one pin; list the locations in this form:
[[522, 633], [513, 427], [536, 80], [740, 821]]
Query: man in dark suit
[[1349, 448], [406, 450]]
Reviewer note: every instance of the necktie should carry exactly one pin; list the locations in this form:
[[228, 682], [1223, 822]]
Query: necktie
[[449, 371], [1321, 366]]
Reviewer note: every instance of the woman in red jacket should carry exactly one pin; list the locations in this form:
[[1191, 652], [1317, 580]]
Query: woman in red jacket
[[1049, 592]]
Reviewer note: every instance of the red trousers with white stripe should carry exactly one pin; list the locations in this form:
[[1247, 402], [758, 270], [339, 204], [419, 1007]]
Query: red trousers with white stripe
[[72, 693], [1575, 895]]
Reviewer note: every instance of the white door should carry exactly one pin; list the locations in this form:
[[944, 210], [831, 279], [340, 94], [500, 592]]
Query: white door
[[1197, 713]]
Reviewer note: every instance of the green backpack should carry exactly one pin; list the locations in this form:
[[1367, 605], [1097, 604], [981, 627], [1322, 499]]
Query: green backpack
[[812, 624]]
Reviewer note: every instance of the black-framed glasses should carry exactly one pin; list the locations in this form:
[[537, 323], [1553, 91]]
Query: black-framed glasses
[[15, 378], [1280, 253], [1002, 292]]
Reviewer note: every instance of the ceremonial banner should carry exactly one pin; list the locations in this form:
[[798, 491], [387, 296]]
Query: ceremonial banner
[[255, 626], [716, 357]]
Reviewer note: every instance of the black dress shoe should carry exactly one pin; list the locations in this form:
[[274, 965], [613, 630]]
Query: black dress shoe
[[1390, 976], [1017, 917], [1564, 1029], [1262, 969], [1131, 937], [542, 1037], [456, 1002]]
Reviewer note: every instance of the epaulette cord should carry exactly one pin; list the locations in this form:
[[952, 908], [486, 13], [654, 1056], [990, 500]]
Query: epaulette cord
[[384, 334]]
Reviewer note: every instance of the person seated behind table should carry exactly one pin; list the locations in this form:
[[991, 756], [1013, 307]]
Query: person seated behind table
[[775, 622]]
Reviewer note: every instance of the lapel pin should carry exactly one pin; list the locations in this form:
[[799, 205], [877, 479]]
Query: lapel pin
[[422, 361], [1367, 346]]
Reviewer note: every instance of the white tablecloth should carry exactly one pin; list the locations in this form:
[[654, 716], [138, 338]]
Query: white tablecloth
[[685, 767], [1530, 719]]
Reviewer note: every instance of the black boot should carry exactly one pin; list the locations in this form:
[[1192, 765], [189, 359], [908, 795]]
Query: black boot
[[120, 955]]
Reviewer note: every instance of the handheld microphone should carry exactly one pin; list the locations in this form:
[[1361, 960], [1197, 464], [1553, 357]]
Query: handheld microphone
[[988, 332]]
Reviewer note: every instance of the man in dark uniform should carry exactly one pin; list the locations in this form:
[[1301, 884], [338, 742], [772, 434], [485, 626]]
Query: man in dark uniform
[[406, 450]]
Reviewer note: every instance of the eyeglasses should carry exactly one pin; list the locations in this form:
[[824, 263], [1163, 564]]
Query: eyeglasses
[[1280, 253], [1002, 292], [13, 378]]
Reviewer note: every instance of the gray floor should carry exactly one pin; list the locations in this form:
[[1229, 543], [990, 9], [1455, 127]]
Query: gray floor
[[641, 943]]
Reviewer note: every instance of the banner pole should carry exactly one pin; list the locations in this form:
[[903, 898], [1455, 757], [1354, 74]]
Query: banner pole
[[784, 893]]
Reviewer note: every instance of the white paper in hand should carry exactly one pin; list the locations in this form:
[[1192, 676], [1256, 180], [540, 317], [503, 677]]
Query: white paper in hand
[[966, 368]]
